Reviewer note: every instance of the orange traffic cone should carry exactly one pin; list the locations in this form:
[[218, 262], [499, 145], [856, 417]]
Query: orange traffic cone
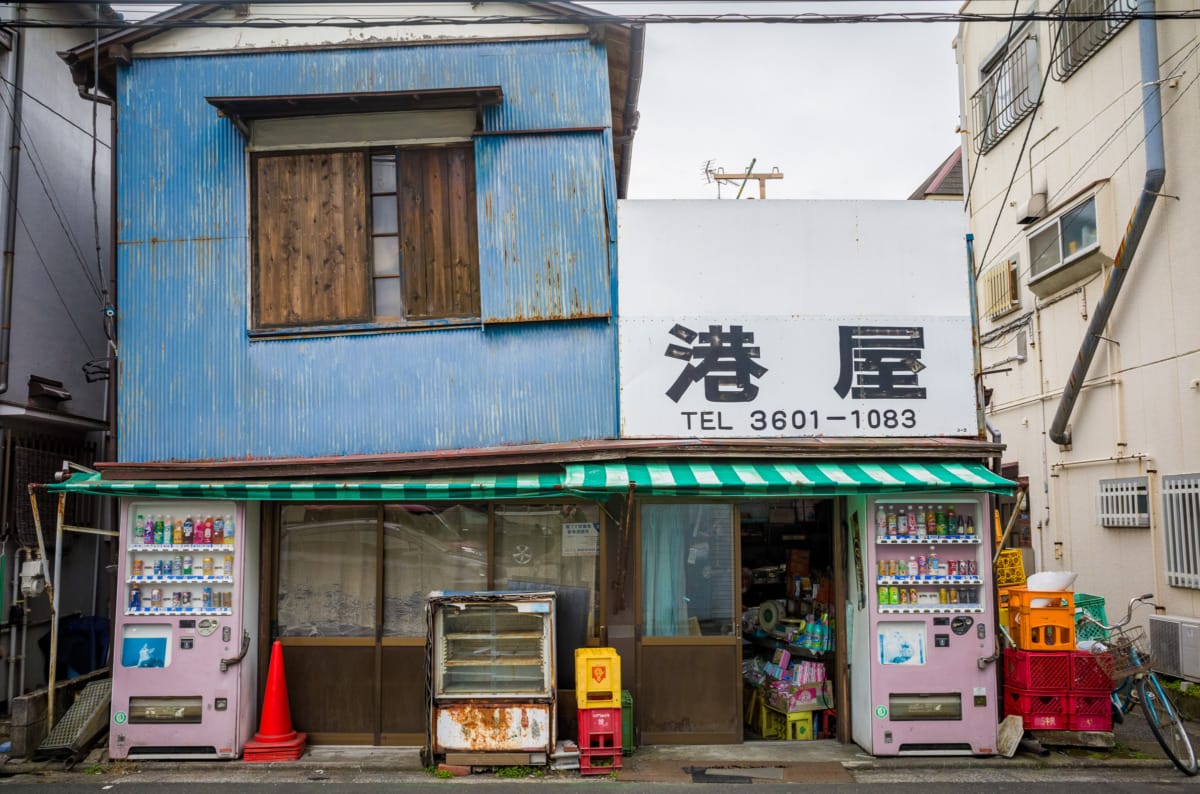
[[275, 740]]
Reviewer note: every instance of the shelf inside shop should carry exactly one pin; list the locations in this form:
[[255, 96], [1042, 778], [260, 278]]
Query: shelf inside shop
[[922, 540], [930, 609], [179, 611], [929, 580], [180, 579], [772, 642], [226, 547]]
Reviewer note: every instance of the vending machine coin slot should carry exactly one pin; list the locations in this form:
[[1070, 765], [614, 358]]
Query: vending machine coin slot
[[962, 624], [207, 626]]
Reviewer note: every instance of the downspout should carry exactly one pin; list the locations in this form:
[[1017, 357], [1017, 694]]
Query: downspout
[[976, 357], [10, 209], [1156, 172]]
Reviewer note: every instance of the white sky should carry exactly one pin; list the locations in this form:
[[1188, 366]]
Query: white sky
[[862, 111]]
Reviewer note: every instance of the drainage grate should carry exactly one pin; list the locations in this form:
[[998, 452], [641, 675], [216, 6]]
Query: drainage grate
[[90, 707]]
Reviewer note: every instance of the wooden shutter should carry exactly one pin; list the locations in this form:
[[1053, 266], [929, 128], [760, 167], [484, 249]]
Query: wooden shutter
[[311, 248], [439, 248]]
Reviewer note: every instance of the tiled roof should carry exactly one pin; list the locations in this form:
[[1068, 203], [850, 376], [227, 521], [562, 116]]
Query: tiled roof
[[946, 180]]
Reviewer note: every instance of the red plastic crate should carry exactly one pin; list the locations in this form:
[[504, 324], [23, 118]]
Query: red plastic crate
[[1089, 713], [1087, 676], [1041, 671], [598, 762], [599, 729], [1040, 711]]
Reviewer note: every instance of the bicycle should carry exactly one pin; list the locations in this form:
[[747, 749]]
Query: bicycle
[[1126, 660]]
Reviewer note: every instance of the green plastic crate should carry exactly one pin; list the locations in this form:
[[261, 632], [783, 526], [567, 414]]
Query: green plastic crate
[[1093, 607], [626, 722]]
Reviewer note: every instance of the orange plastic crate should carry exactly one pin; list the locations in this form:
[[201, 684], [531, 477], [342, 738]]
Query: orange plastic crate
[[1041, 620]]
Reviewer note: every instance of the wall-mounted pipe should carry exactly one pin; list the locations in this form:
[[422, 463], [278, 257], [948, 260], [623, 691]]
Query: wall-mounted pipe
[[976, 355], [10, 206], [1156, 172]]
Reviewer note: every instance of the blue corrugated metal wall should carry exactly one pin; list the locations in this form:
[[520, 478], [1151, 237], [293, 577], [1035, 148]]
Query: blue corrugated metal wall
[[194, 387]]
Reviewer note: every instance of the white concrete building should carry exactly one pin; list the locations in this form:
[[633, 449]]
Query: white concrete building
[[1062, 136]]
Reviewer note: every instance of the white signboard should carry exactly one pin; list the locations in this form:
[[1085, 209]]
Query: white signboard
[[792, 319], [580, 540]]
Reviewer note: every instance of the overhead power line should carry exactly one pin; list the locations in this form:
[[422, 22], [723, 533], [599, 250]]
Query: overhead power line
[[367, 21]]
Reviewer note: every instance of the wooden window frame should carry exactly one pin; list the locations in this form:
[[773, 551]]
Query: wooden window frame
[[457, 233]]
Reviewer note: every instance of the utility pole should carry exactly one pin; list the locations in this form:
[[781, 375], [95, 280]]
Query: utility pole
[[720, 176]]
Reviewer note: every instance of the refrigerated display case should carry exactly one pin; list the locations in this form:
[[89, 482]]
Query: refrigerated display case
[[184, 672], [932, 680], [492, 676]]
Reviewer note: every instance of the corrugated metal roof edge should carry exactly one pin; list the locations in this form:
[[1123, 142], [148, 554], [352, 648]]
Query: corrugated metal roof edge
[[528, 456]]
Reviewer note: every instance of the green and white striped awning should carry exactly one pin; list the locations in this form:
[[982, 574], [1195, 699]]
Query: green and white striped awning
[[742, 479], [447, 488], [749, 478]]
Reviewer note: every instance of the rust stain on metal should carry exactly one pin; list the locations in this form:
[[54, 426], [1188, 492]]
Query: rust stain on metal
[[486, 727]]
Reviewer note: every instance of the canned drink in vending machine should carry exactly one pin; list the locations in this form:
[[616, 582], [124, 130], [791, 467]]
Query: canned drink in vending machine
[[137, 567], [158, 567], [229, 565], [176, 599], [179, 565], [952, 567], [206, 598], [227, 599], [893, 595], [156, 597], [185, 598], [206, 566], [187, 566], [135, 596]]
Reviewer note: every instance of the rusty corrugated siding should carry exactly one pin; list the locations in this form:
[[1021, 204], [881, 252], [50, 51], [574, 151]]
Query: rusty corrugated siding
[[543, 235], [194, 387]]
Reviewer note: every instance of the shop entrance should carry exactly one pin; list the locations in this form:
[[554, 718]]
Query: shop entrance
[[788, 617]]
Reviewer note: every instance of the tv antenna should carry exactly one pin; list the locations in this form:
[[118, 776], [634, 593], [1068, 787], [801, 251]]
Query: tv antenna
[[718, 175]]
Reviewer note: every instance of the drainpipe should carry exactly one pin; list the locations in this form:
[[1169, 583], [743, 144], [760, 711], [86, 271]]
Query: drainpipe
[[10, 209], [1156, 172], [977, 360]]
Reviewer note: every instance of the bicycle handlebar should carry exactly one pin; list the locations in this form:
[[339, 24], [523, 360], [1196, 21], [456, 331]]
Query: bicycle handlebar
[[1142, 599]]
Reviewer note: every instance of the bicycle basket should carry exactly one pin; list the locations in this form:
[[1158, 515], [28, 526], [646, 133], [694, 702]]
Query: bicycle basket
[[1124, 654]]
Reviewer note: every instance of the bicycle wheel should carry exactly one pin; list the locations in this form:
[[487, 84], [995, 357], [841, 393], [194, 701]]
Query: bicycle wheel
[[1167, 725]]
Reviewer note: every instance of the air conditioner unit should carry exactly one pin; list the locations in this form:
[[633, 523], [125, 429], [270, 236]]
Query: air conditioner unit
[[1175, 646]]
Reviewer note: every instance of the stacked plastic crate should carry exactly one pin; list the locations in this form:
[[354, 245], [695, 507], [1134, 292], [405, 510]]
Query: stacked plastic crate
[[1050, 684], [598, 698]]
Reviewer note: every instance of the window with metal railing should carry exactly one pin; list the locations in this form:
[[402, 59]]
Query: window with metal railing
[[1124, 502], [1008, 91], [1086, 28], [1181, 529]]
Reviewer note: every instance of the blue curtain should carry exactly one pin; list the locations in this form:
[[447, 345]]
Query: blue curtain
[[665, 530]]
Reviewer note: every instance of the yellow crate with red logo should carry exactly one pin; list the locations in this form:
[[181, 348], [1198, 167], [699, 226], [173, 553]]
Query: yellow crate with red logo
[[597, 678]]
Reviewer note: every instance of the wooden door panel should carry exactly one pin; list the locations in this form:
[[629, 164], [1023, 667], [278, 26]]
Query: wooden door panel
[[689, 693]]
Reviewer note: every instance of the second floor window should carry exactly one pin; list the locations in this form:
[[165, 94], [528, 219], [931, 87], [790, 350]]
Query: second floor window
[[385, 236], [1008, 90], [1078, 39]]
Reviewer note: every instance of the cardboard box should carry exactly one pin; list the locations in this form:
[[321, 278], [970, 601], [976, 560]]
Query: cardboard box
[[798, 563], [801, 697]]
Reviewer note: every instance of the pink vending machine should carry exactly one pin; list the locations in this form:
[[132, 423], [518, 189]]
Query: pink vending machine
[[184, 677], [932, 626]]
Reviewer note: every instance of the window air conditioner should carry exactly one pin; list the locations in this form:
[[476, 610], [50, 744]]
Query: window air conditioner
[[1175, 646]]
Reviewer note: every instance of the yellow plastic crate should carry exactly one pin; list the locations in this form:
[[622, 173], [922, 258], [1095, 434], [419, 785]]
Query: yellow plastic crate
[[796, 726], [597, 678], [1010, 568]]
